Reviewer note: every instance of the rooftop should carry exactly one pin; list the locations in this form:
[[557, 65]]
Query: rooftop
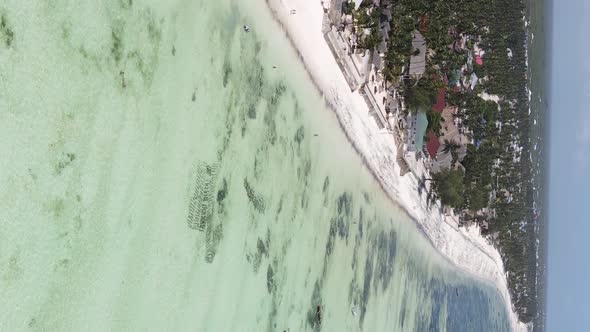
[[418, 62], [432, 145], [440, 101]]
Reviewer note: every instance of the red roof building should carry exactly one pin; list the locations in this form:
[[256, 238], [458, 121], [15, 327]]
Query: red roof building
[[440, 101], [423, 23], [478, 60], [432, 145]]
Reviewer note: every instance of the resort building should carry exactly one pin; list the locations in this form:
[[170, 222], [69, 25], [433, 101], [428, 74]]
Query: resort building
[[451, 132], [363, 70], [418, 58], [341, 41], [375, 93]]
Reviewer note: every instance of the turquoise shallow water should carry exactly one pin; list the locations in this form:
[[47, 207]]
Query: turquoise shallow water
[[160, 174]]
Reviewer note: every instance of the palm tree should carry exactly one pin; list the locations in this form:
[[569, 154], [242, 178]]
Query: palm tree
[[434, 121], [451, 146]]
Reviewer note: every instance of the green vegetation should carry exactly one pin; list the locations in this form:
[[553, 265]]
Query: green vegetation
[[348, 7], [448, 184], [399, 46], [434, 121], [452, 147], [420, 93], [370, 41], [497, 173], [367, 18], [419, 96]]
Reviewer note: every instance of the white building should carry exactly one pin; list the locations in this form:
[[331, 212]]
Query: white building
[[418, 59]]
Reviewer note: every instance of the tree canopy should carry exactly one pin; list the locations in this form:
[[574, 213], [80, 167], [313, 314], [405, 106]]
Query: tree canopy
[[448, 185]]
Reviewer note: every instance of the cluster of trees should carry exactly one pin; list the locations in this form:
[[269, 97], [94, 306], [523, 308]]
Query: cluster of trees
[[365, 17], [448, 184], [399, 46], [495, 176], [348, 7], [506, 77], [419, 94]]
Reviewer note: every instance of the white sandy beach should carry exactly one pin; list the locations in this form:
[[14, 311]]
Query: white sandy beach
[[464, 247]]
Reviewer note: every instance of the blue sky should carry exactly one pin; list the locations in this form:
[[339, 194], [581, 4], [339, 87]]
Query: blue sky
[[569, 197]]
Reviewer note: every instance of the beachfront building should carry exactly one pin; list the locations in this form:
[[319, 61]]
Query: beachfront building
[[473, 81], [334, 9], [385, 19], [375, 92], [362, 69], [341, 41], [451, 133], [418, 57]]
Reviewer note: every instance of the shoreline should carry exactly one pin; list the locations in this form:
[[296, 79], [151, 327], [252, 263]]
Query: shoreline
[[304, 32]]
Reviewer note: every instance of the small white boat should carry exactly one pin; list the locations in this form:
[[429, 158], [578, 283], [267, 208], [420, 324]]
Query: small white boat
[[246, 28]]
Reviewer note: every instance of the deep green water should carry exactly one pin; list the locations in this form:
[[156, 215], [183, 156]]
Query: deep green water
[[158, 173]]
